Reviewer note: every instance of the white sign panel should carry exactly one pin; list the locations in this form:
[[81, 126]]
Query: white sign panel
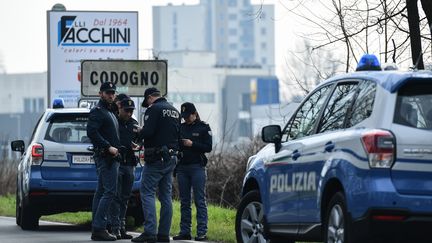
[[77, 35], [131, 77]]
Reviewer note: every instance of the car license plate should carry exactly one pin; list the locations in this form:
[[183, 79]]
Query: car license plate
[[82, 159]]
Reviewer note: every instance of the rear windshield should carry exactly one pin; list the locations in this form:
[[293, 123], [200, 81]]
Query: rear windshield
[[414, 105], [68, 128]]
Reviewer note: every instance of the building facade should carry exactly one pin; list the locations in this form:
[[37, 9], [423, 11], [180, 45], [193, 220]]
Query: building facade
[[241, 34]]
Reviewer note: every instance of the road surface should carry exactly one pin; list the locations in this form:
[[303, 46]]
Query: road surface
[[48, 232]]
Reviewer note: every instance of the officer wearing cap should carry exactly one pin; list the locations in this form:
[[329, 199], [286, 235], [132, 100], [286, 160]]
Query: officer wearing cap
[[161, 143], [196, 140], [128, 137], [102, 129], [117, 101]]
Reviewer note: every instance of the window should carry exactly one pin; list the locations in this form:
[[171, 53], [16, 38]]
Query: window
[[244, 128], [303, 122], [263, 45], [341, 100], [232, 3], [174, 18], [232, 16], [245, 102], [263, 31], [363, 104], [233, 46], [414, 105], [68, 128], [232, 31]]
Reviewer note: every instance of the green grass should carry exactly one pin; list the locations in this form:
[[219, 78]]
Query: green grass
[[220, 222]]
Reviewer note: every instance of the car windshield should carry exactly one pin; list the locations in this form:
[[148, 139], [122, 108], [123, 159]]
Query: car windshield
[[414, 105], [68, 129]]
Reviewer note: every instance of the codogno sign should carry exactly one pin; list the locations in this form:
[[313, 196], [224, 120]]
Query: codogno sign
[[78, 35], [132, 77]]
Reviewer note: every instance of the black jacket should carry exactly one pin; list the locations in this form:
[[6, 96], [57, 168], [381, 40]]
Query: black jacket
[[127, 136], [200, 134], [102, 127], [161, 125]]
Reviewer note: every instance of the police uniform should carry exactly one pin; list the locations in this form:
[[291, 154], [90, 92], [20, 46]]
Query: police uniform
[[161, 134], [191, 173], [102, 129], [128, 135]]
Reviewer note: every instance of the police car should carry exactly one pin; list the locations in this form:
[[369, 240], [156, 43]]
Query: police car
[[353, 164], [56, 172]]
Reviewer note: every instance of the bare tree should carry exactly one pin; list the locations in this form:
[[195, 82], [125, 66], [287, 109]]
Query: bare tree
[[382, 27], [305, 68]]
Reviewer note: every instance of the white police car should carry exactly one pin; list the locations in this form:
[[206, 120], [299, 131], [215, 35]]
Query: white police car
[[353, 164], [56, 172]]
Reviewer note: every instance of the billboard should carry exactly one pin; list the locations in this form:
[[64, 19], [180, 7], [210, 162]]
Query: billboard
[[131, 77], [77, 35]]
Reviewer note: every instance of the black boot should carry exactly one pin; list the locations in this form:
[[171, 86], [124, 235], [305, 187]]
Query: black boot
[[201, 238], [163, 238], [145, 238], [102, 235], [182, 237], [125, 235]]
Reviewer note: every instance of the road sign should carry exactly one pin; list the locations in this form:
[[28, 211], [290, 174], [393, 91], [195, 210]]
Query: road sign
[[131, 77]]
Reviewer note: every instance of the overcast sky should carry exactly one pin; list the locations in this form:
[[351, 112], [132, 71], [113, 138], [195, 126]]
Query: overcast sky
[[23, 42]]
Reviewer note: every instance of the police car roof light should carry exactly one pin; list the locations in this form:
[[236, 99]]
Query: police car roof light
[[368, 62], [58, 103]]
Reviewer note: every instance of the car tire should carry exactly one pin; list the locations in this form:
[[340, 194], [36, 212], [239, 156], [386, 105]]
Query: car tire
[[337, 223], [29, 217], [250, 220], [17, 208]]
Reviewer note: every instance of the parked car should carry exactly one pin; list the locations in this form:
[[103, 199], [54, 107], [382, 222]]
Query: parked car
[[57, 173], [353, 164]]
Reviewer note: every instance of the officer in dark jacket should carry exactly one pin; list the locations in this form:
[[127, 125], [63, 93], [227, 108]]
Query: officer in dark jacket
[[128, 137], [102, 129], [161, 143], [196, 139]]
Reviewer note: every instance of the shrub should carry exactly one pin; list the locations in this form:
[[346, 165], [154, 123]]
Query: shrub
[[226, 169], [8, 173]]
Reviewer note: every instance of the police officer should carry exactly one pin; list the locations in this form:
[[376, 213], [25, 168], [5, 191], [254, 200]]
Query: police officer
[[196, 139], [128, 136], [102, 129], [161, 143]]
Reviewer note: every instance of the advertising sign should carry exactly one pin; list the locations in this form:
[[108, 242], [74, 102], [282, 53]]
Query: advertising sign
[[131, 77], [77, 35]]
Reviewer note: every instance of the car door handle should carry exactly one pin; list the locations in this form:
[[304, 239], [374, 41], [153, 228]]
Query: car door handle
[[329, 146], [295, 155]]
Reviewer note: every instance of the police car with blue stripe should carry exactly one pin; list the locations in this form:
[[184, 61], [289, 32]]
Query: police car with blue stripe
[[56, 172], [353, 164]]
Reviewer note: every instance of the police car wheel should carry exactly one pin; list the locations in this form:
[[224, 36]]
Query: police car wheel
[[250, 220], [336, 221], [17, 208], [29, 217]]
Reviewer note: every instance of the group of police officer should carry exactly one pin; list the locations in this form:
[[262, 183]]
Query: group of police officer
[[170, 147]]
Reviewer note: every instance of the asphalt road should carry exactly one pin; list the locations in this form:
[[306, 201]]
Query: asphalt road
[[47, 232]]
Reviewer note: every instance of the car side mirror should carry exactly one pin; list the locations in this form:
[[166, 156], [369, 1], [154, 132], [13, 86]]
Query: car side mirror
[[18, 146], [272, 134]]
